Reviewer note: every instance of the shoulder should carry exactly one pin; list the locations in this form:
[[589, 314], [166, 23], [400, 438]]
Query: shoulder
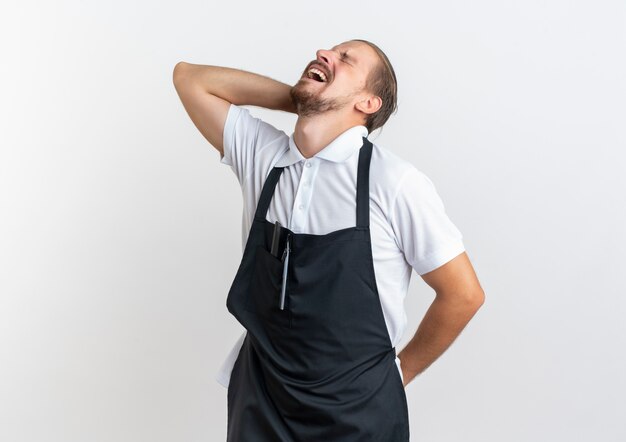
[[401, 187], [390, 174], [415, 213], [251, 144], [240, 118]]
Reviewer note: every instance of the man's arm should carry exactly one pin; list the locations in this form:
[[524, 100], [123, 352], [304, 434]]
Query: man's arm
[[207, 92], [458, 297]]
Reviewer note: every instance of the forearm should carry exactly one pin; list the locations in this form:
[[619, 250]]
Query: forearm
[[442, 323], [237, 86]]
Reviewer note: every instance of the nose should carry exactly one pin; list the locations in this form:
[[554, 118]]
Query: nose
[[325, 56]]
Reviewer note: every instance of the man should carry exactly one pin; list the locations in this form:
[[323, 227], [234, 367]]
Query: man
[[333, 226]]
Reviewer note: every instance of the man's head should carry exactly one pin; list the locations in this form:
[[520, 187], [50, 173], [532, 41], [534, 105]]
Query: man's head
[[353, 79]]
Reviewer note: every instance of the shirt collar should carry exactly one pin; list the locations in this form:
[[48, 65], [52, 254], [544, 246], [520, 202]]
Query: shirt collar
[[340, 149]]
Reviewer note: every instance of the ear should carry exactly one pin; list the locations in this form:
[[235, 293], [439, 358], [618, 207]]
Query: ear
[[370, 105]]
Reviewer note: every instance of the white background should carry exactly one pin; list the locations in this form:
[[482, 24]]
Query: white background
[[120, 229]]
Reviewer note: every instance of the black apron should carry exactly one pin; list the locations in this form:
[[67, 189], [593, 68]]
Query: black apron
[[323, 367]]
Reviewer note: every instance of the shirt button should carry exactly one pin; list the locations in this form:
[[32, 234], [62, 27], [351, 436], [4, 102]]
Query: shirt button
[[308, 164], [301, 206]]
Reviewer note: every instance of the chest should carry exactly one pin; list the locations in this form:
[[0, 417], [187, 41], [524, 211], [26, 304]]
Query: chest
[[319, 197]]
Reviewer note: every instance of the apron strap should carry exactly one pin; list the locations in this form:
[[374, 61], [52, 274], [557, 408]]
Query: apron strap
[[363, 185], [267, 192]]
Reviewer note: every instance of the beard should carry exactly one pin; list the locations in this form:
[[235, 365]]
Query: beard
[[309, 103]]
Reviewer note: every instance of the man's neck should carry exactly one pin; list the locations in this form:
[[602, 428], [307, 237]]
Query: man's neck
[[312, 134]]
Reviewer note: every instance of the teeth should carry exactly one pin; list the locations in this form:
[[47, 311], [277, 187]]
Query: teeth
[[318, 72]]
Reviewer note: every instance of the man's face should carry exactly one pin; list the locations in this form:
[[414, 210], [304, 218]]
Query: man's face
[[335, 79]]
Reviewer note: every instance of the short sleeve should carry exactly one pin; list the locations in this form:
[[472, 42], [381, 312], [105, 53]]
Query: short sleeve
[[423, 230], [245, 137]]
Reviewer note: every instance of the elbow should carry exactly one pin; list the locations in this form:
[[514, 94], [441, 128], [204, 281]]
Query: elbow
[[179, 70], [469, 299], [476, 299]]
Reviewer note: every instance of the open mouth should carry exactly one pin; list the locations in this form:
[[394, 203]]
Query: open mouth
[[317, 75]]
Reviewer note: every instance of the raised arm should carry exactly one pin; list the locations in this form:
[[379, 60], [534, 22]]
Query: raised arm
[[207, 92]]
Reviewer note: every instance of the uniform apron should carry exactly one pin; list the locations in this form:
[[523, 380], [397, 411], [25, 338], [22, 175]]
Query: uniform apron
[[322, 368]]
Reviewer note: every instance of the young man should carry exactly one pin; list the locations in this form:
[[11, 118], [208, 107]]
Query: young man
[[323, 310]]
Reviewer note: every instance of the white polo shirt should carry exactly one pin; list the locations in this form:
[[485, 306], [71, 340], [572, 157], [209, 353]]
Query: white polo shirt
[[408, 223]]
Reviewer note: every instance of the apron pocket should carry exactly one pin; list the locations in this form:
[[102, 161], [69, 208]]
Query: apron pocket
[[264, 295]]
